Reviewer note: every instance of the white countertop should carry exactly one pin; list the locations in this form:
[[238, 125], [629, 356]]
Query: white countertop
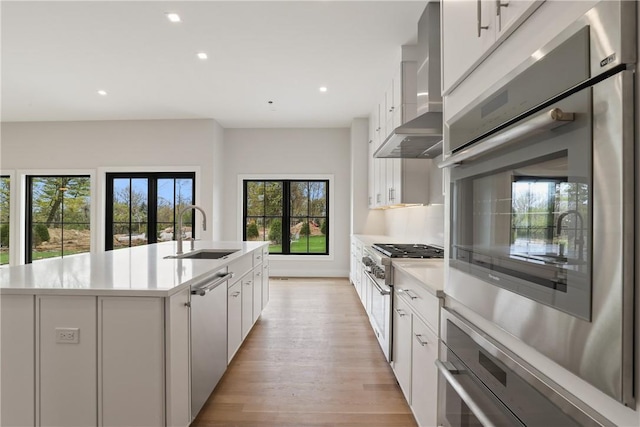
[[429, 272], [137, 271]]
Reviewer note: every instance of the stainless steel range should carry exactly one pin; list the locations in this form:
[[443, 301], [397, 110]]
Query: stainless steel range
[[379, 283]]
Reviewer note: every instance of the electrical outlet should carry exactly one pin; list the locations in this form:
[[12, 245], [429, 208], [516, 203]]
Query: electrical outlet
[[67, 335]]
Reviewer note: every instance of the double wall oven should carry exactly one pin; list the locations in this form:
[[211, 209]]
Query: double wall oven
[[379, 284], [542, 200]]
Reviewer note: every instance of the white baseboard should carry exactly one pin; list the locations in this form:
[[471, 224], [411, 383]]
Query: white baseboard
[[308, 273]]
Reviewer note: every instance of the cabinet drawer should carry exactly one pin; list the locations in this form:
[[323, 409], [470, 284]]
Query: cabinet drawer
[[423, 302], [240, 266], [258, 256]]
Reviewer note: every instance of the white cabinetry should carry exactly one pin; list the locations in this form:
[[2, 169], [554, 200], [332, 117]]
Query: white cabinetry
[[234, 321], [131, 354], [396, 181], [415, 345], [17, 381], [471, 30], [66, 371]]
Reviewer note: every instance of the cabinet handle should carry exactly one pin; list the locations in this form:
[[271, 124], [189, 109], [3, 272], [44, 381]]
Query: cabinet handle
[[235, 294], [369, 200], [390, 198], [378, 196], [401, 313], [187, 304], [408, 292], [248, 283], [419, 339], [480, 26], [259, 274]]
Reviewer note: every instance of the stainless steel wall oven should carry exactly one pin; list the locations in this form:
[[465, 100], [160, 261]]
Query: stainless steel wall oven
[[542, 200], [482, 383]]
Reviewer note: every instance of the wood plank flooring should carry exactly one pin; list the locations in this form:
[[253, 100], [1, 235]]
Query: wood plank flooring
[[311, 360]]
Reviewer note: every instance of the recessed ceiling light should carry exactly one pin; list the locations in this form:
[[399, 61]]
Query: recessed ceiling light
[[323, 89], [102, 92], [202, 55], [173, 17]]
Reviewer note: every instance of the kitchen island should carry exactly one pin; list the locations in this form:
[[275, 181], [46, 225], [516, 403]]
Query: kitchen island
[[104, 339]]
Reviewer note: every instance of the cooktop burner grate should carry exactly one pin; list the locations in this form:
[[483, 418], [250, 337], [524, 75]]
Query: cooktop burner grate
[[397, 250]]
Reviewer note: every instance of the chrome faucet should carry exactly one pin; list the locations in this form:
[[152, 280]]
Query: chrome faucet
[[579, 239], [180, 215]]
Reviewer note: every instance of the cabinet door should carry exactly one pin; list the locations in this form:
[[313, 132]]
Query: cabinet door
[[402, 345], [257, 292], [234, 319], [510, 14], [265, 284], [247, 304], [371, 175], [17, 360], [67, 370], [178, 359], [463, 44], [424, 387], [131, 358]]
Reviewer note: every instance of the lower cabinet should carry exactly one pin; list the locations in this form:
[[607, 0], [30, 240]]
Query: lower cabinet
[[17, 346], [234, 321], [247, 304], [402, 345], [424, 378], [131, 345], [415, 346]]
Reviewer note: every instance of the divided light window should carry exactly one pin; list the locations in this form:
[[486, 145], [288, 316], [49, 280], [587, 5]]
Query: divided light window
[[292, 215], [5, 209], [142, 208], [58, 222]]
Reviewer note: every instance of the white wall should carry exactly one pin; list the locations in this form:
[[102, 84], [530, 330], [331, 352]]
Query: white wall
[[417, 224], [282, 152], [102, 146]]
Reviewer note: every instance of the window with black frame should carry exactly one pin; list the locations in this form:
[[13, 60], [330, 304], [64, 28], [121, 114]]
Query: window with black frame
[[5, 215], [292, 215], [58, 216], [142, 208]]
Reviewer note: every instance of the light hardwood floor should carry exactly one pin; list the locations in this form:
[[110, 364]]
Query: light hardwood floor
[[311, 360]]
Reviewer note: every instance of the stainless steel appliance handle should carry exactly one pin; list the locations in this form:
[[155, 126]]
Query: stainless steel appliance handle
[[550, 120], [205, 289], [420, 340], [464, 395], [375, 283]]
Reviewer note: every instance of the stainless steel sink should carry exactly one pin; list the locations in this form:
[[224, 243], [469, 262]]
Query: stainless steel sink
[[205, 254]]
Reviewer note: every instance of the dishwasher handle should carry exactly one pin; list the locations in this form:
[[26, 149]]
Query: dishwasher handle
[[205, 289]]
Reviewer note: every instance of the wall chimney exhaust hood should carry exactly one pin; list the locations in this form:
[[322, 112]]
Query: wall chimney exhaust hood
[[421, 138]]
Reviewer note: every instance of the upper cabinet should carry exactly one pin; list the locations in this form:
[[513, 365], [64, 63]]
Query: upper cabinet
[[471, 30], [396, 181]]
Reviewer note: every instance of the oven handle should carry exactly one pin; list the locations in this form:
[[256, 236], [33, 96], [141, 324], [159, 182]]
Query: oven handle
[[375, 283], [466, 397], [550, 120]]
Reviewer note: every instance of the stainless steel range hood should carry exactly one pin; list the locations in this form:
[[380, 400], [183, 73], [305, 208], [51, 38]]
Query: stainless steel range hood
[[421, 138]]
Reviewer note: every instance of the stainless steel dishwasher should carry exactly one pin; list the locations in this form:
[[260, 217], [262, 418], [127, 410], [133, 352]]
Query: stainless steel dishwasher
[[208, 337]]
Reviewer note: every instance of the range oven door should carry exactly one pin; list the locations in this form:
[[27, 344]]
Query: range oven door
[[380, 312], [542, 207]]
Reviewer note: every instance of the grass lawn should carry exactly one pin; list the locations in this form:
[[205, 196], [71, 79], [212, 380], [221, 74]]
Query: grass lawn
[[51, 254], [4, 258], [317, 244]]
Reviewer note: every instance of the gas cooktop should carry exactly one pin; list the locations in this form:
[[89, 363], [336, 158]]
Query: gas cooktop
[[396, 250]]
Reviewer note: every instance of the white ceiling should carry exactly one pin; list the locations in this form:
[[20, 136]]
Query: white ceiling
[[57, 55]]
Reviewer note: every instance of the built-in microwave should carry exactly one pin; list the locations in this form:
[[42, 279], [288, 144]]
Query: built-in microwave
[[542, 200]]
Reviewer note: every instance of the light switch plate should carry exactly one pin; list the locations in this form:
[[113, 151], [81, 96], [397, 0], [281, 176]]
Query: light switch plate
[[67, 335]]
